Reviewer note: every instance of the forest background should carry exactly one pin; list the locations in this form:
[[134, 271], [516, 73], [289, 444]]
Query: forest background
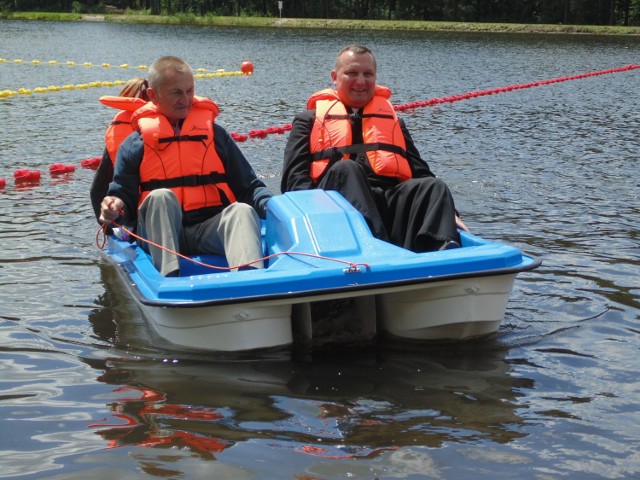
[[557, 12]]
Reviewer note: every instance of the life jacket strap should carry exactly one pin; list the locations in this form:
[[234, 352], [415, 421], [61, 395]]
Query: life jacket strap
[[183, 138], [186, 181], [336, 153]]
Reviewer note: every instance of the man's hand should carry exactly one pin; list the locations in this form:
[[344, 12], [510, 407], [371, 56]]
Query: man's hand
[[460, 224], [110, 209]]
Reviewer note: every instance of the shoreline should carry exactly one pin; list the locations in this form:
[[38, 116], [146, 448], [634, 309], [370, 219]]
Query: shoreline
[[339, 24]]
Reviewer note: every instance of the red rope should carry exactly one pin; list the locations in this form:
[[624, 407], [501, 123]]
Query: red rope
[[453, 98], [93, 163], [510, 88], [100, 243]]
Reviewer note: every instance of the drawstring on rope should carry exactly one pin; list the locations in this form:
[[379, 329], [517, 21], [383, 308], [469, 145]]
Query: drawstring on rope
[[353, 267]]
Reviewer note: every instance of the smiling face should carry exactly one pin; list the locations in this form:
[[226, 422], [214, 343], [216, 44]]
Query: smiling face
[[355, 78], [174, 94]]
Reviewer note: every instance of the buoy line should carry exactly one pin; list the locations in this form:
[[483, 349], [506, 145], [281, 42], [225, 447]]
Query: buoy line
[[32, 177]]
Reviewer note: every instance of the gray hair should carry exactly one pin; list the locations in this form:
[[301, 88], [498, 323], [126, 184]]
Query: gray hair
[[161, 65]]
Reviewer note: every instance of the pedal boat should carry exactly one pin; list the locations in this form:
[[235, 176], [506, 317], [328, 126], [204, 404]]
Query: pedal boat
[[321, 253]]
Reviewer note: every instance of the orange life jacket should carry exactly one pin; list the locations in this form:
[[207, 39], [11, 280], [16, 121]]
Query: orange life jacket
[[186, 163], [383, 141], [120, 127]]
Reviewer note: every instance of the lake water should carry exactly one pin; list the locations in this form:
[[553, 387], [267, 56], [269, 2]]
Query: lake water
[[551, 169]]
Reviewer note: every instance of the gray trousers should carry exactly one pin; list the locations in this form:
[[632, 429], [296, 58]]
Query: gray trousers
[[234, 232]]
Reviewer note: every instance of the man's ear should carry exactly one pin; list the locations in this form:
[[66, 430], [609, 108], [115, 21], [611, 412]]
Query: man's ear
[[334, 75], [151, 93]]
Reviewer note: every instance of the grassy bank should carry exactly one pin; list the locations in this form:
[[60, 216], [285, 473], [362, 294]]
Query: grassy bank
[[271, 22]]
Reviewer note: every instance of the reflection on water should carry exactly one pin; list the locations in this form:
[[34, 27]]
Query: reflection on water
[[334, 406]]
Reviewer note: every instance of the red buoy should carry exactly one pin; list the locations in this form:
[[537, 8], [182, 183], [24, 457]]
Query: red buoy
[[3, 183], [91, 163], [246, 67], [59, 168], [24, 175]]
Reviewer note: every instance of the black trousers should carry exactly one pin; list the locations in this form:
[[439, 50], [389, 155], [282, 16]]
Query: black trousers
[[417, 214]]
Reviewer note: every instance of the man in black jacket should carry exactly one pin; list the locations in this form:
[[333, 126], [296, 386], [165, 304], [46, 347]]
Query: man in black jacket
[[383, 176]]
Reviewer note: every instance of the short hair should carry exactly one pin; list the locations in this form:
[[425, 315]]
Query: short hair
[[161, 65], [356, 49]]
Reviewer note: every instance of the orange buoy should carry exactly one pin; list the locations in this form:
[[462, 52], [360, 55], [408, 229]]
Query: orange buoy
[[246, 67]]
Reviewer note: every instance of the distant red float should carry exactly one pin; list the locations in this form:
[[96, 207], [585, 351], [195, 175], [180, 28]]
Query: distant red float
[[91, 163], [59, 168], [24, 175], [246, 67]]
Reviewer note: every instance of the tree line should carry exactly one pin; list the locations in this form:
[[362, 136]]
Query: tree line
[[575, 12]]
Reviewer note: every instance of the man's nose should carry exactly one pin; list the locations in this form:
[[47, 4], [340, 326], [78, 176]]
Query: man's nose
[[360, 78]]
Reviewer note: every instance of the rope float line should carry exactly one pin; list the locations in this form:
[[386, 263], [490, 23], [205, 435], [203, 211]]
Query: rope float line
[[92, 163], [56, 88], [19, 61], [510, 88], [453, 98], [246, 68]]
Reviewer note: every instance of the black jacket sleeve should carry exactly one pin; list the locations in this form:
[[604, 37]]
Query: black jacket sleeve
[[242, 179], [297, 155], [100, 184], [419, 167]]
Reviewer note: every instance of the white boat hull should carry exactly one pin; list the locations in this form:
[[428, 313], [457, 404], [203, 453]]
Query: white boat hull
[[452, 310]]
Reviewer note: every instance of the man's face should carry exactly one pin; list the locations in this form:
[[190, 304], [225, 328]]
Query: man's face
[[355, 78], [174, 96]]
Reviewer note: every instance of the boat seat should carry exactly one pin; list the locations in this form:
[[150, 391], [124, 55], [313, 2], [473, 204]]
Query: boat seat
[[316, 221]]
